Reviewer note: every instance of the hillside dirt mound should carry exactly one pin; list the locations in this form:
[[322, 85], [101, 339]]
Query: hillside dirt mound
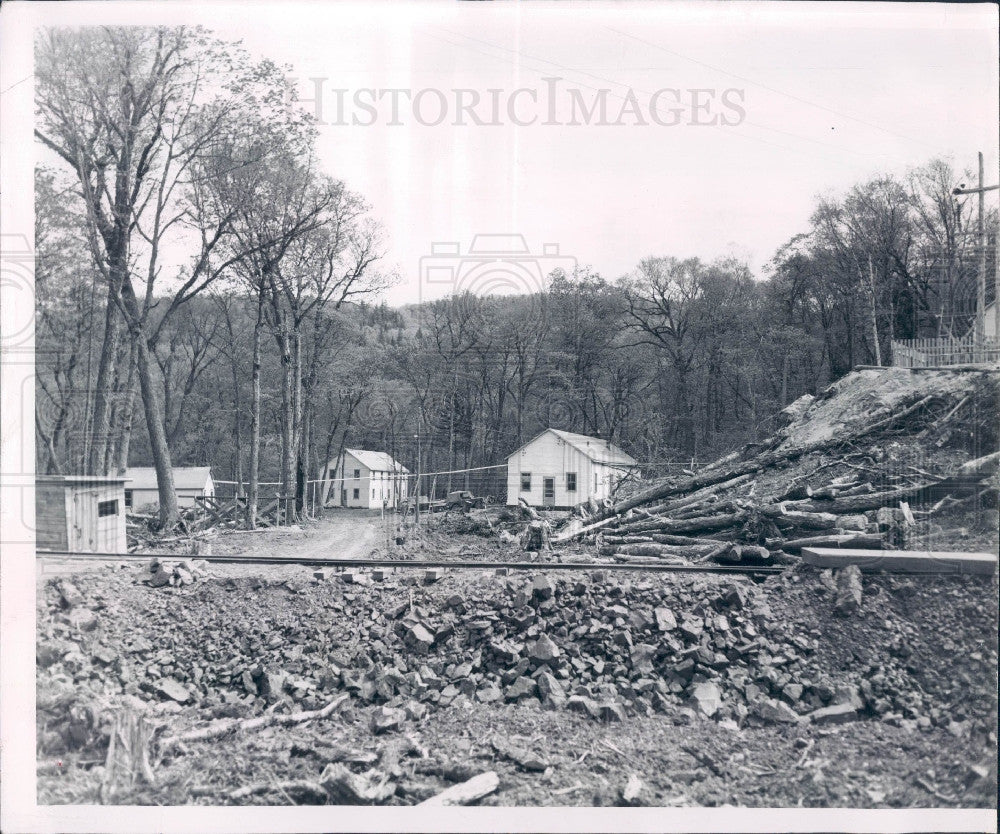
[[883, 459]]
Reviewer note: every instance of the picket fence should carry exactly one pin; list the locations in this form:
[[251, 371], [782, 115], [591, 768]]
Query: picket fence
[[932, 353]]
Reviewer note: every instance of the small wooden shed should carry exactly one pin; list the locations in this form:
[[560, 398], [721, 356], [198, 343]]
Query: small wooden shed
[[80, 513]]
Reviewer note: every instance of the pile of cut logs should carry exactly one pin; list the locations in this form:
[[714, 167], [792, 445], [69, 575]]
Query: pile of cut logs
[[711, 517]]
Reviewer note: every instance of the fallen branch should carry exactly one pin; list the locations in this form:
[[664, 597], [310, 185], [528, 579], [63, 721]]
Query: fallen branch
[[462, 794], [226, 727]]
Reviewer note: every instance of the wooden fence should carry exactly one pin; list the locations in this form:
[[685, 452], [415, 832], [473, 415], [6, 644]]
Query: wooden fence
[[931, 353]]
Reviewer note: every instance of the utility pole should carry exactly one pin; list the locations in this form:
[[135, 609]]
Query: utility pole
[[980, 329]]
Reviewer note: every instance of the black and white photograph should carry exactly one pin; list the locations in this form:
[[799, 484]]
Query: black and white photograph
[[510, 416]]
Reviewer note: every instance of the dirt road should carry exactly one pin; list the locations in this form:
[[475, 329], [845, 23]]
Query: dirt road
[[341, 534]]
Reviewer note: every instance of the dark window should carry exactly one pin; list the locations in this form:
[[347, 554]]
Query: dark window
[[571, 482], [106, 508], [128, 498], [357, 493], [525, 482], [357, 474]]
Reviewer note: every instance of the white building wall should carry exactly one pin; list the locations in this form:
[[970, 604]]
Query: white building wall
[[548, 456], [374, 487]]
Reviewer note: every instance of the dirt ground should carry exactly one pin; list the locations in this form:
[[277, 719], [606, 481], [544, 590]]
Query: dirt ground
[[918, 662]]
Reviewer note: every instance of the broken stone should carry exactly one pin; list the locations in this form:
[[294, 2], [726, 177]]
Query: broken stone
[[707, 698], [582, 704], [665, 619], [775, 712], [632, 789], [83, 619], [173, 689], [836, 714], [69, 594], [611, 712], [160, 578], [322, 574], [385, 719], [543, 588], [419, 638], [432, 575], [544, 650], [550, 689], [849, 591], [522, 687], [527, 759]]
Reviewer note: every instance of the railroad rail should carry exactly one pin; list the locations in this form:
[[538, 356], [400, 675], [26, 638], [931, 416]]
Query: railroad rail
[[416, 564]]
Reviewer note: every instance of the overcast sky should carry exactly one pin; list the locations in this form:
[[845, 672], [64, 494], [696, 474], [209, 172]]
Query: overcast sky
[[814, 98]]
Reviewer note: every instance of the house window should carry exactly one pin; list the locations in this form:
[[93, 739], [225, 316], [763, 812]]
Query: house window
[[525, 482], [106, 508], [571, 482], [357, 475], [357, 494], [128, 498]]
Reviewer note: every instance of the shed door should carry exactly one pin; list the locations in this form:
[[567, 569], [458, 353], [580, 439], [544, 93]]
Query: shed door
[[548, 492], [82, 524]]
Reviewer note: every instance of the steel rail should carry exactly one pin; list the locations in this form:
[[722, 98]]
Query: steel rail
[[415, 564]]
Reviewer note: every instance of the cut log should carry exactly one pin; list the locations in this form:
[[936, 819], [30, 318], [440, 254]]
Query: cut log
[[566, 535], [853, 503], [712, 476], [839, 539], [904, 561], [701, 524], [797, 518], [742, 554], [664, 551], [465, 793]]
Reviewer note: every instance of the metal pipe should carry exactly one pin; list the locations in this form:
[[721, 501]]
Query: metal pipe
[[410, 563]]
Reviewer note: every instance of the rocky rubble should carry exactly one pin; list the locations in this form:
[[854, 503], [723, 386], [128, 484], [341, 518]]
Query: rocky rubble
[[913, 654]]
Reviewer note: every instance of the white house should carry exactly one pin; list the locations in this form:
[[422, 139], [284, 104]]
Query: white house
[[363, 478], [563, 469], [189, 482]]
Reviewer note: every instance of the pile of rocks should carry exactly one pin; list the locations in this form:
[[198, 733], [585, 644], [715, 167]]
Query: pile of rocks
[[184, 572]]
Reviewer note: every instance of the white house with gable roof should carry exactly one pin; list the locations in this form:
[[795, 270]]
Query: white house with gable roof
[[560, 469], [189, 482], [366, 479]]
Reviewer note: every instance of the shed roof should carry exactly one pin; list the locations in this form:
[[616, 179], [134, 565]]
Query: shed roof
[[185, 477], [377, 461], [80, 479], [595, 448]]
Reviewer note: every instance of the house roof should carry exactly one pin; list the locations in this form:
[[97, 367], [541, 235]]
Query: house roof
[[185, 477], [598, 450], [377, 461]]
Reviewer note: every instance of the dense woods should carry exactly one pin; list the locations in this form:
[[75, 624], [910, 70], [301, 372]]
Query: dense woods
[[268, 345]]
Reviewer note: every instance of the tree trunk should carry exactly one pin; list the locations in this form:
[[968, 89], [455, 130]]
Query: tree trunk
[[125, 439], [97, 461], [254, 464], [287, 427], [157, 434]]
